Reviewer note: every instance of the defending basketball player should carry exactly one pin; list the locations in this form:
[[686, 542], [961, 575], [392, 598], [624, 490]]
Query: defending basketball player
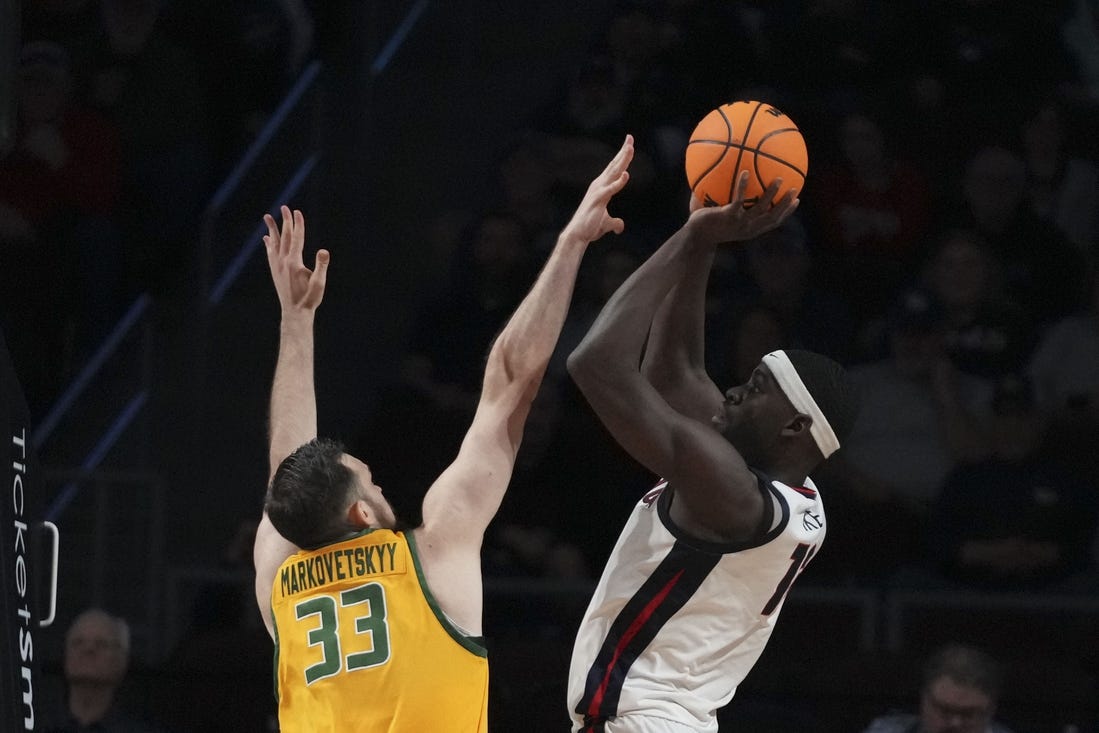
[[378, 629], [697, 578]]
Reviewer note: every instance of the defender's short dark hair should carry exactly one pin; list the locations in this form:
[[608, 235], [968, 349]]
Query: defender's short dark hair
[[966, 666], [831, 387], [309, 494]]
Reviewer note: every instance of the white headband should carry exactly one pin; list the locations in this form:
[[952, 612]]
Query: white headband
[[798, 394]]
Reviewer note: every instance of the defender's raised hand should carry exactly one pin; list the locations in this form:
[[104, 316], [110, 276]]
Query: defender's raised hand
[[592, 219], [298, 287]]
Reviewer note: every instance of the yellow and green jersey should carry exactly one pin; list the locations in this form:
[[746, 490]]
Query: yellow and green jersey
[[362, 647]]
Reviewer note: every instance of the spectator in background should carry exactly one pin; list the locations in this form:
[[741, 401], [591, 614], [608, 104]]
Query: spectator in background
[[150, 86], [1062, 184], [782, 277], [1017, 520], [974, 50], [1063, 365], [73, 24], [443, 367], [959, 694], [753, 331], [1066, 380], [222, 661], [1080, 36], [985, 334], [697, 34], [873, 210], [633, 44], [1042, 270], [488, 275], [564, 447], [528, 186], [921, 416], [97, 656], [584, 124], [604, 271], [59, 249], [255, 49], [844, 48]]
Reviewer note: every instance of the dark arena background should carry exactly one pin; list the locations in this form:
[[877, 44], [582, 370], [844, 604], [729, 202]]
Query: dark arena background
[[436, 148]]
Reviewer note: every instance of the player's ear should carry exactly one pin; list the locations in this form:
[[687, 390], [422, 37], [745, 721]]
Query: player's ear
[[359, 514], [798, 424]]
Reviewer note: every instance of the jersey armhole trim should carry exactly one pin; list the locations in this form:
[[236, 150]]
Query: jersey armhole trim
[[772, 498], [472, 644], [275, 628]]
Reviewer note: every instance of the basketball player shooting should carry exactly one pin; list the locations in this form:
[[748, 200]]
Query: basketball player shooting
[[694, 585], [377, 629]]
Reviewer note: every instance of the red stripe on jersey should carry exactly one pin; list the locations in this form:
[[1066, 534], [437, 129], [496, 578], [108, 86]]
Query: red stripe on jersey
[[631, 632]]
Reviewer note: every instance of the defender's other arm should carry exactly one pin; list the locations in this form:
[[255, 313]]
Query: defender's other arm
[[472, 488], [463, 500]]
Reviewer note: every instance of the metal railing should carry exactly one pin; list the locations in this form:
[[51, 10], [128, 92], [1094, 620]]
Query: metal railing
[[113, 549]]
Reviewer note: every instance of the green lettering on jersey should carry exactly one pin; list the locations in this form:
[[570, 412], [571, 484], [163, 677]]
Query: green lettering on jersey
[[326, 561], [284, 580], [370, 550]]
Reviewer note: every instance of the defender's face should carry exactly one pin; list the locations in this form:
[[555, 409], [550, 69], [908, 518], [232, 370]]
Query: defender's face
[[371, 493], [754, 413], [948, 707]]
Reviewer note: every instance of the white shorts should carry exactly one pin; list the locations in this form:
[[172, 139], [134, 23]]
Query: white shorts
[[647, 724]]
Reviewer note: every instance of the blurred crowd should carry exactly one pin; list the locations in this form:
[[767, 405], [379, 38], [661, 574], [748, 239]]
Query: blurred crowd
[[945, 251], [128, 115]]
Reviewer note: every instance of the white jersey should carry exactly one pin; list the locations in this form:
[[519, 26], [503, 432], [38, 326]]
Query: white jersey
[[676, 623]]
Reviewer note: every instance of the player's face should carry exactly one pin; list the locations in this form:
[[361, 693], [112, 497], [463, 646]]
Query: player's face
[[948, 707], [371, 493], [753, 414]]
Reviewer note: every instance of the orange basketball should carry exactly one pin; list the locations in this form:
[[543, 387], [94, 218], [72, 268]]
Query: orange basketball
[[751, 136]]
